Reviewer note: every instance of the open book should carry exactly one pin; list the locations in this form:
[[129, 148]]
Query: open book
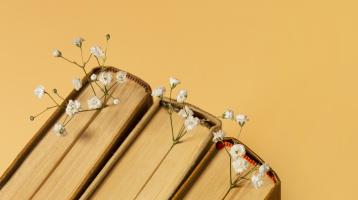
[[126, 152]]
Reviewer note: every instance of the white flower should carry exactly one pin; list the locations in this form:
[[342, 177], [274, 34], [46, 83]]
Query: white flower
[[93, 77], [191, 122], [121, 76], [257, 181], [218, 136], [97, 51], [183, 94], [158, 92], [73, 107], [185, 112], [94, 103], [237, 150], [77, 84], [116, 101], [56, 53], [78, 41], [229, 114], [173, 82], [39, 91], [59, 129], [264, 168], [239, 165], [241, 119], [105, 78]]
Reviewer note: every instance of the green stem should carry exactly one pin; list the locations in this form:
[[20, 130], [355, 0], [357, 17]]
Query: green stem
[[230, 165], [46, 109], [68, 121], [105, 53], [83, 63], [89, 80], [89, 57], [48, 94], [240, 131], [179, 133], [156, 168], [227, 192], [59, 96], [73, 62], [171, 113], [171, 125], [245, 175]]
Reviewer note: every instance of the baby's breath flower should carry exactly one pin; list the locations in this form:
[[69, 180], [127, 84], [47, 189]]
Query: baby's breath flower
[[97, 51], [105, 78], [59, 129], [237, 150], [191, 122], [240, 165], [257, 181], [182, 95], [94, 103], [173, 82], [56, 53], [158, 92], [121, 76], [264, 168], [185, 112], [39, 91], [218, 136], [77, 84], [229, 114], [78, 41], [93, 77], [241, 119], [116, 101], [73, 107]]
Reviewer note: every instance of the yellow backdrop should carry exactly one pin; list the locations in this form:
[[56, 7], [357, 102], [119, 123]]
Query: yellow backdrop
[[290, 65]]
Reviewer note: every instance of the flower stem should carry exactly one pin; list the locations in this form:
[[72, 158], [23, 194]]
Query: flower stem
[[89, 58], [240, 131], [171, 125], [59, 96], [156, 168], [229, 165], [179, 136], [227, 192], [83, 62], [48, 94], [46, 109], [245, 175], [88, 79], [73, 62], [105, 53], [68, 121], [171, 113]]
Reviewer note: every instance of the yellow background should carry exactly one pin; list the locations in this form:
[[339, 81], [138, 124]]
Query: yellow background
[[290, 65]]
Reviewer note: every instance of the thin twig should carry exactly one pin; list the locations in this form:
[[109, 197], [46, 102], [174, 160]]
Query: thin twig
[[48, 94], [46, 109]]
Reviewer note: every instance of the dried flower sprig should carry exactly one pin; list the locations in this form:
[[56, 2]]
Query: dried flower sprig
[[103, 81], [236, 153], [189, 120]]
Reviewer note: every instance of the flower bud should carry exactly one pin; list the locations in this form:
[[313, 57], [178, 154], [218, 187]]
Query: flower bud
[[56, 53]]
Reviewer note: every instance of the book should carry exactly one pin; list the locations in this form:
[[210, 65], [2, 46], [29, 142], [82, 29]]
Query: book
[[126, 152]]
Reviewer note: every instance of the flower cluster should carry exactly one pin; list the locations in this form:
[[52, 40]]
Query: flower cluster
[[241, 119], [103, 81], [189, 120], [239, 164]]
